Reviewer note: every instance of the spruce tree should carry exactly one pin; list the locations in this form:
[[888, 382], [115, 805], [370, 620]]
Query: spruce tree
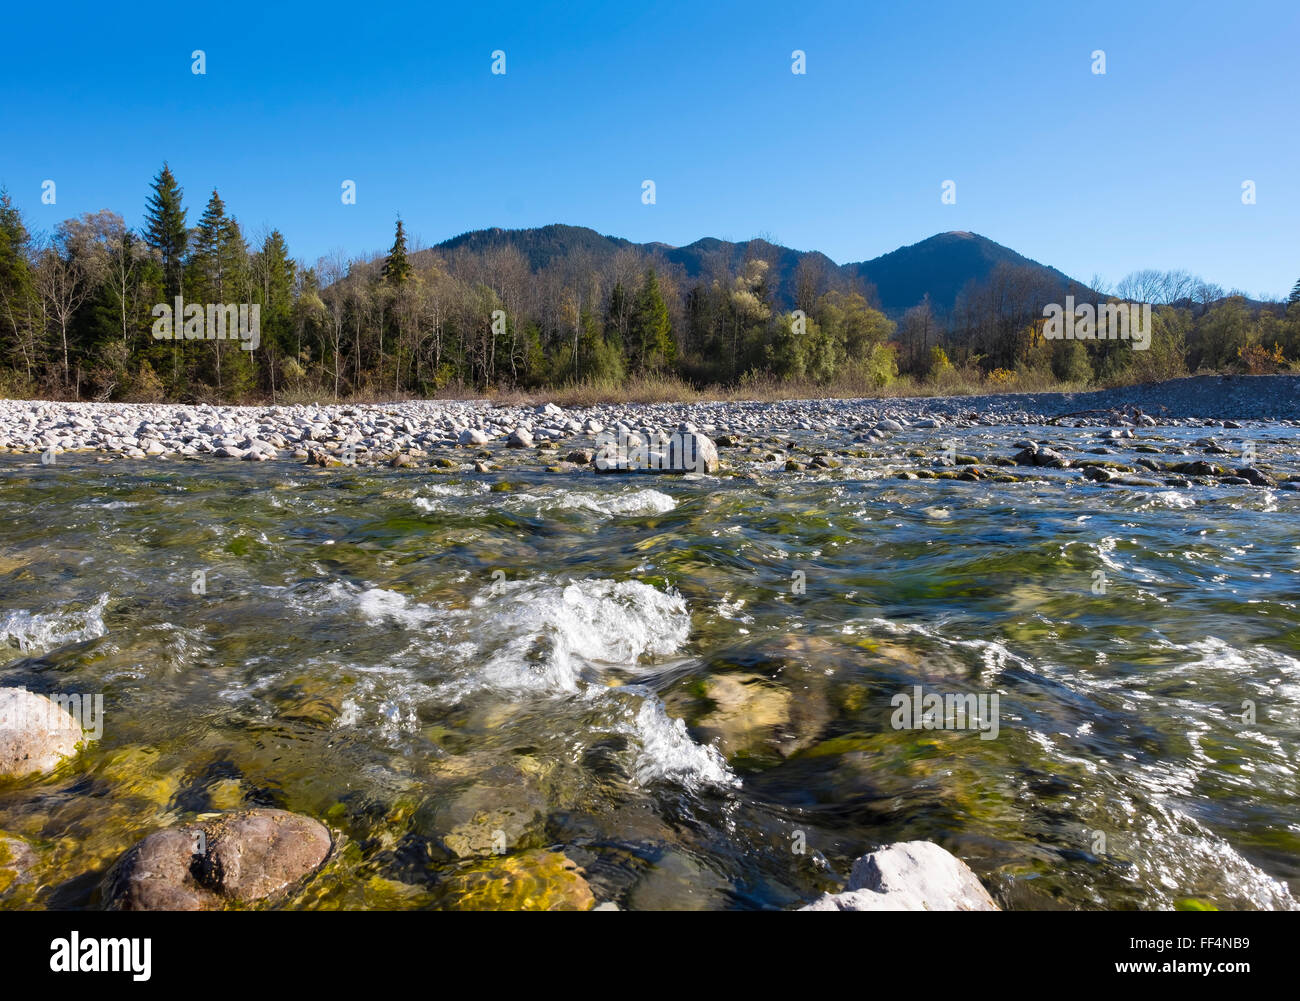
[[13, 245], [1295, 292], [206, 257], [15, 276], [276, 273], [165, 228], [397, 268], [650, 329]]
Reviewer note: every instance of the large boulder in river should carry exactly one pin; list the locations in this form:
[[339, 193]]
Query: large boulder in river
[[909, 876], [680, 452], [242, 857], [35, 733]]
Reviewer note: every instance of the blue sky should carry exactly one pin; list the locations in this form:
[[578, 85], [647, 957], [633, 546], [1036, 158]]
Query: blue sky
[[1141, 167]]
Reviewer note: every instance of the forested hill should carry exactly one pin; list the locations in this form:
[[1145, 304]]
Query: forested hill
[[940, 266]]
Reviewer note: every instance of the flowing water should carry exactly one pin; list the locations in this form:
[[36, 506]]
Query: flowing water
[[683, 683]]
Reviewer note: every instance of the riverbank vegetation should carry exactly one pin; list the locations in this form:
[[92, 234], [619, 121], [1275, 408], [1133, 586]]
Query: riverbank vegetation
[[76, 321]]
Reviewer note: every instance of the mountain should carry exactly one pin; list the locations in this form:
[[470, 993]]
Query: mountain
[[939, 266]]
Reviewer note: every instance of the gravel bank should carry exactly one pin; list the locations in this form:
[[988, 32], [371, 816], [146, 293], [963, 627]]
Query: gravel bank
[[377, 432]]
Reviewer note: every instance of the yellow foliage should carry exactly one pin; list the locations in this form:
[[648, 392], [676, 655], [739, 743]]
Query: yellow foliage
[[1259, 360]]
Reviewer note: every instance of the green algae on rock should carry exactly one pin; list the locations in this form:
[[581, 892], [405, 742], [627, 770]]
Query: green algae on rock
[[535, 880]]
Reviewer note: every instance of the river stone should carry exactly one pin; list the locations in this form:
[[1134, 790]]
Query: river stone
[[534, 880], [1256, 476], [35, 733], [501, 811], [157, 874], [1198, 468], [909, 876], [685, 452], [260, 853], [16, 860], [677, 882], [240, 857], [747, 711]]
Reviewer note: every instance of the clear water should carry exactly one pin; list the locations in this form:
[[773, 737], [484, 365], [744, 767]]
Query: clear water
[[622, 668]]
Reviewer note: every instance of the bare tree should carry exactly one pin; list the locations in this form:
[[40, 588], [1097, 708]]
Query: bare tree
[[66, 273], [333, 270]]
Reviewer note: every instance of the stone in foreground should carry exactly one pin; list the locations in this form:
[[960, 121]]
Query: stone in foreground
[[237, 858], [35, 733], [909, 876]]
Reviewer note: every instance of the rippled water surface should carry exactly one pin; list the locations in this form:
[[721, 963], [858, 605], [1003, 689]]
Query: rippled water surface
[[684, 684]]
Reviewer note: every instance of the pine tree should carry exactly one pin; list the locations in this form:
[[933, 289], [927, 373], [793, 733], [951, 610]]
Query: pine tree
[[165, 228], [1295, 292]]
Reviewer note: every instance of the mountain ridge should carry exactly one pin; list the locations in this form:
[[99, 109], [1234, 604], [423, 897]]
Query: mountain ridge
[[939, 266]]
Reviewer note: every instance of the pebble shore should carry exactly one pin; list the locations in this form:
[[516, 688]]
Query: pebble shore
[[402, 432]]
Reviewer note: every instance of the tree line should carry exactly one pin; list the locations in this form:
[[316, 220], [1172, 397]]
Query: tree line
[[77, 316]]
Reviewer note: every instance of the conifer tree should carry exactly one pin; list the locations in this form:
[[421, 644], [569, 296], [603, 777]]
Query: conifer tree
[[650, 329], [397, 269], [165, 228]]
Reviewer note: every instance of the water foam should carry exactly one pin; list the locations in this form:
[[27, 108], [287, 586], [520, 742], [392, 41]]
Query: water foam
[[555, 634], [544, 638], [40, 632]]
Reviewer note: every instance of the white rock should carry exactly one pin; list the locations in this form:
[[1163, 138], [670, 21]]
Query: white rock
[[35, 733], [909, 876]]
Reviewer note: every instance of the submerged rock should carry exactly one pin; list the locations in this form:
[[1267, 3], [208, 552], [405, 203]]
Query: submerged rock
[[16, 860], [236, 858], [534, 880], [482, 818], [747, 709], [36, 734], [909, 876]]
